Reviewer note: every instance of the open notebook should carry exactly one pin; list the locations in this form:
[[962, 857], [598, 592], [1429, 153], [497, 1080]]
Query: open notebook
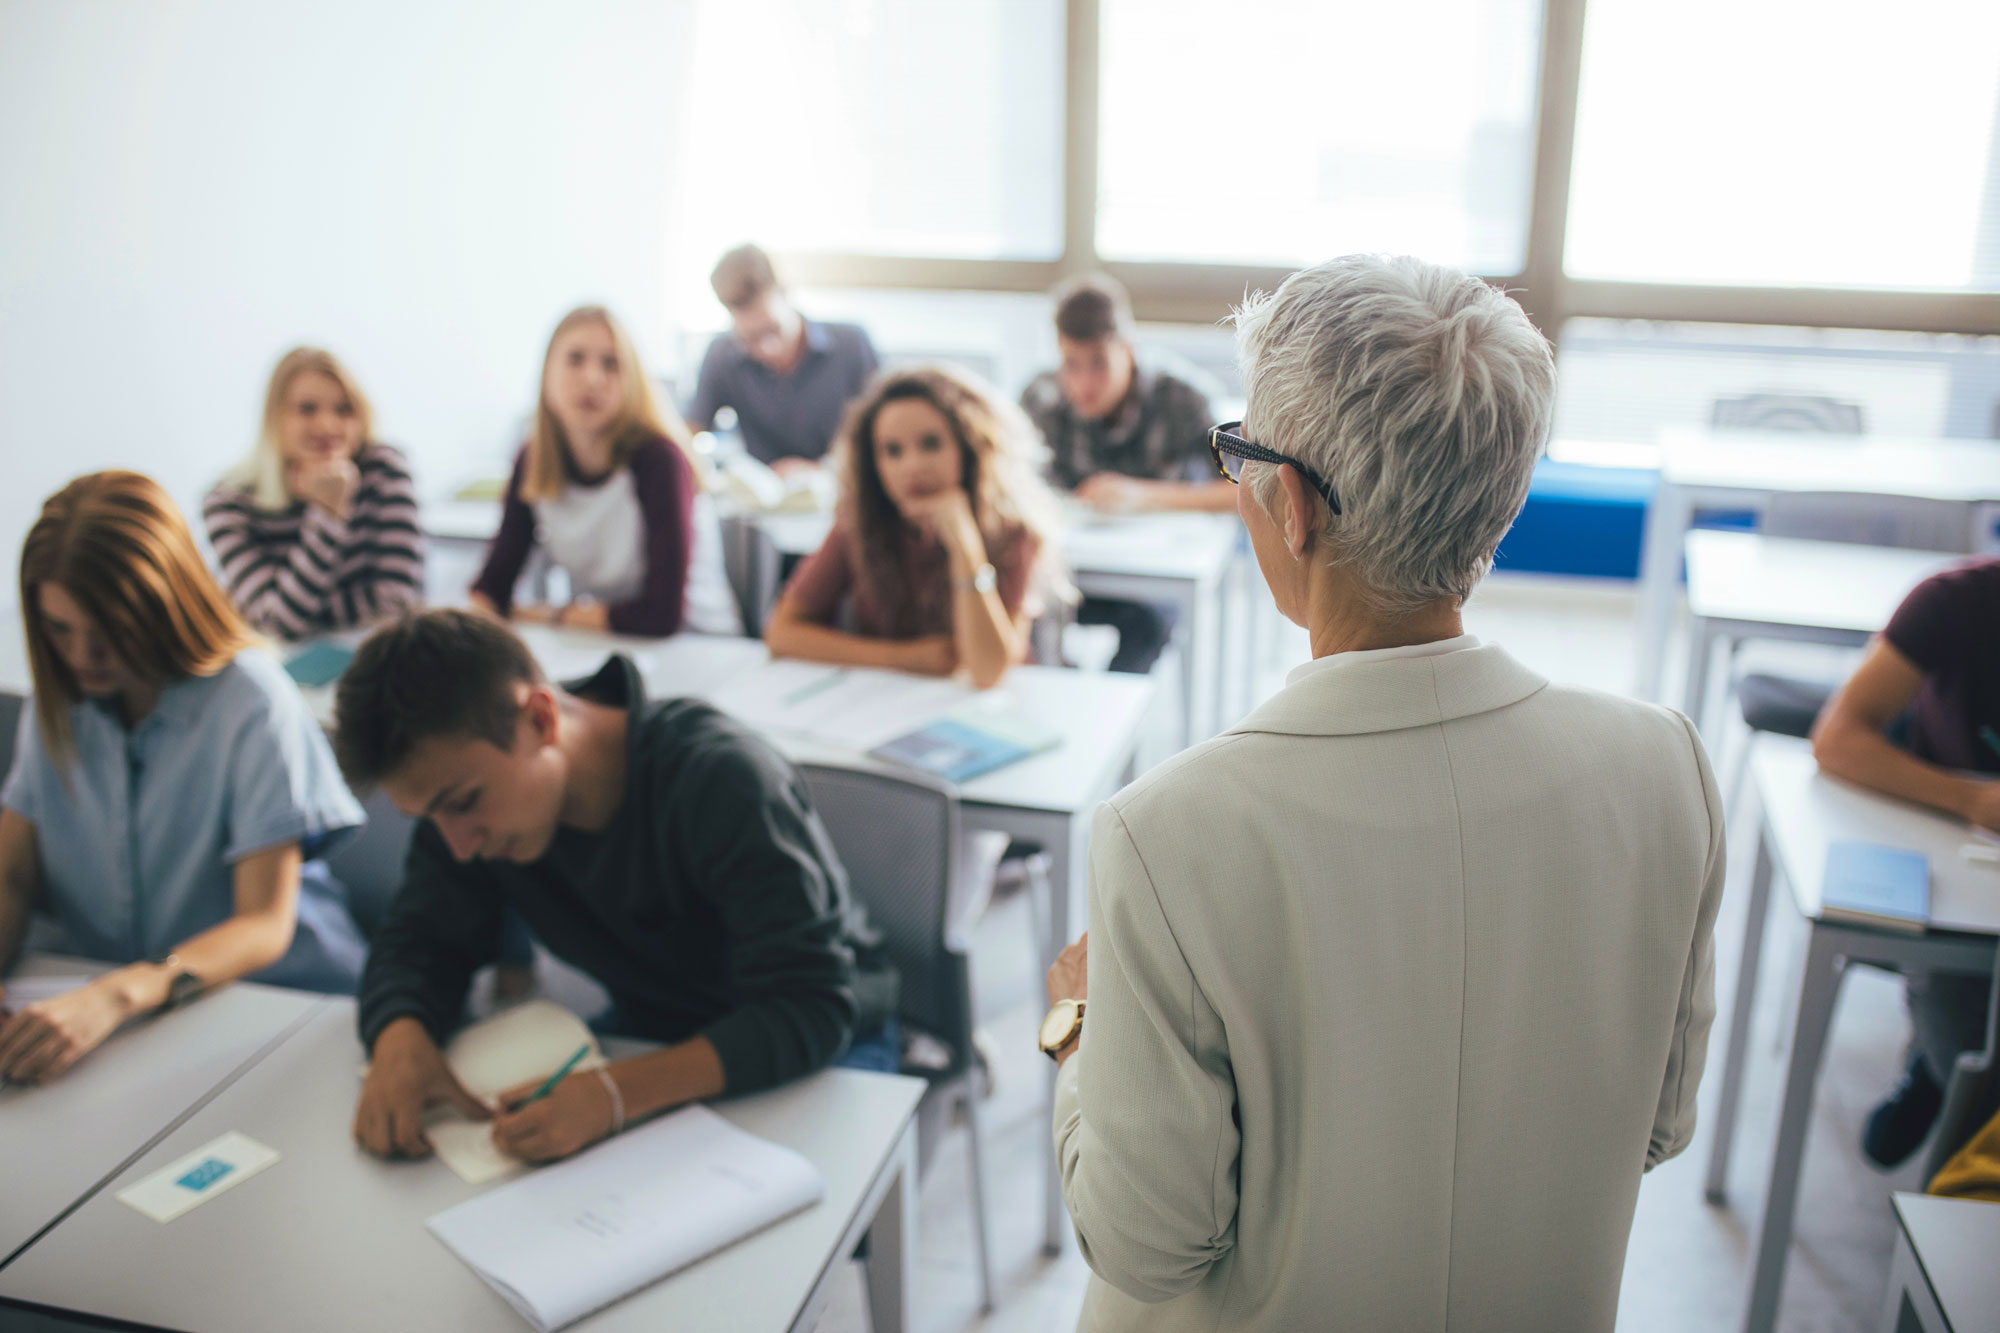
[[578, 1235], [519, 1045]]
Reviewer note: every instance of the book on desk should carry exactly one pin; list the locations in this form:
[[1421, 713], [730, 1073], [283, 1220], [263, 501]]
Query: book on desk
[[1870, 884], [962, 745]]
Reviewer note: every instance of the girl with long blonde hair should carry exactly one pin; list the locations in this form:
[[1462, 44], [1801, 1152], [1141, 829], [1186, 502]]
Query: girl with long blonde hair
[[171, 793], [940, 554], [604, 480], [317, 529]]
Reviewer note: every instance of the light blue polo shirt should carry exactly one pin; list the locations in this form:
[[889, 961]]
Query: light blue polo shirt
[[138, 847]]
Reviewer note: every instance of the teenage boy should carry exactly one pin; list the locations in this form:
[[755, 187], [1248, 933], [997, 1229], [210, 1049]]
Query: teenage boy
[[1124, 435], [786, 377], [656, 845]]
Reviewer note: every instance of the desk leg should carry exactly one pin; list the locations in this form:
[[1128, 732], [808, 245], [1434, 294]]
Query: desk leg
[[1659, 581], [1817, 993], [1739, 1023], [1910, 1291], [1701, 659], [891, 1272]]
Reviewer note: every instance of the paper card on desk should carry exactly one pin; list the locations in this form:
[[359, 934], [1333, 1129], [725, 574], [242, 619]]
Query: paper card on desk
[[578, 1235], [24, 991], [1877, 886], [198, 1177], [520, 1045]]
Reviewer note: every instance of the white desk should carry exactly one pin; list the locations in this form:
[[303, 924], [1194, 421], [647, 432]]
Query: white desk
[[65, 1139], [1804, 811], [1745, 586], [331, 1238], [1944, 1276], [1742, 469], [1180, 559]]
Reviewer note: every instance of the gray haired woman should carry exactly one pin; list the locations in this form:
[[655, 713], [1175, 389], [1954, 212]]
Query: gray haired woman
[[1395, 990]]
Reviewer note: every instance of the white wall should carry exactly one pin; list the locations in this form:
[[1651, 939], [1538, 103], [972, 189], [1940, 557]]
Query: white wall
[[187, 189]]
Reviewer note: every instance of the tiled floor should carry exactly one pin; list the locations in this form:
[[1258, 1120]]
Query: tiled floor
[[1687, 1266]]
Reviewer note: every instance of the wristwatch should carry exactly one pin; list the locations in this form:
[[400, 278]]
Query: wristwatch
[[1061, 1027], [983, 579], [184, 986]]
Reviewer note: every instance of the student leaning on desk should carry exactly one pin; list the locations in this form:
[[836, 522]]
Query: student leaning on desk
[[942, 544], [171, 792], [657, 845]]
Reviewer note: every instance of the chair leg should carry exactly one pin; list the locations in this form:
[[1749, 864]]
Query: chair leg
[[976, 1138]]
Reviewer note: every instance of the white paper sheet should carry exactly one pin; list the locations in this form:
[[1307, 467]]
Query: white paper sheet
[[853, 708], [576, 1236], [198, 1177]]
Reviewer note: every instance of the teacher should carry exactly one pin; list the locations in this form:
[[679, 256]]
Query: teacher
[[1393, 992]]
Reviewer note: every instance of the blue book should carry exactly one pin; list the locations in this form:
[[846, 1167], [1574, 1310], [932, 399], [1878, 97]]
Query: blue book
[[957, 749], [1875, 885], [319, 664]]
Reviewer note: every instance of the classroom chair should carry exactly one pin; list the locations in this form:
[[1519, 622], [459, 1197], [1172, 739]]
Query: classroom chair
[[924, 885], [11, 705], [1972, 1094]]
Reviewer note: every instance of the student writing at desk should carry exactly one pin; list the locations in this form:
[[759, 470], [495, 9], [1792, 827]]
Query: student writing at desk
[[940, 548], [170, 791], [1920, 720], [657, 845]]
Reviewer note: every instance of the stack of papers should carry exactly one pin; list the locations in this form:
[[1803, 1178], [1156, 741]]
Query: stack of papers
[[576, 1236], [852, 708]]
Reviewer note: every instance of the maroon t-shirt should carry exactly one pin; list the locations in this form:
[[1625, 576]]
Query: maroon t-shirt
[[831, 578], [1949, 628]]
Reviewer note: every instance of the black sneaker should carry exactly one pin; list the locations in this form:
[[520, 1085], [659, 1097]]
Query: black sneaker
[[1898, 1124]]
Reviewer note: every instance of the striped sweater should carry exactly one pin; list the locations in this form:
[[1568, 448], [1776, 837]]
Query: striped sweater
[[301, 571]]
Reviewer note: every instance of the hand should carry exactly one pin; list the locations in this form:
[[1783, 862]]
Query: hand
[[481, 604], [787, 468], [1984, 807], [48, 1037], [1069, 978], [535, 613], [329, 483], [575, 1115], [407, 1074], [1114, 493], [935, 655], [585, 615], [947, 516]]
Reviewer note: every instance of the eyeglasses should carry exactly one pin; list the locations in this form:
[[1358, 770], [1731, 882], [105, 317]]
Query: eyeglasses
[[1232, 451]]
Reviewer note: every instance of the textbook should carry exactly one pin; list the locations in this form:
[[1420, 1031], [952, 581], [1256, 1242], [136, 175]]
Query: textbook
[[577, 1235], [1875, 885], [966, 743], [319, 664]]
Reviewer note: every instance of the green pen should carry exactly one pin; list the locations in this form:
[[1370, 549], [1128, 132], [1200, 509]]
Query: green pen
[[1992, 741], [554, 1078]]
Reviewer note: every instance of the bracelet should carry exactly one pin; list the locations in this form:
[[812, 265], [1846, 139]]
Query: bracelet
[[617, 1100]]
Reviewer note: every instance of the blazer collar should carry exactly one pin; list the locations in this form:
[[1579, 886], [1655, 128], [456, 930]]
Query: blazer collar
[[1389, 695]]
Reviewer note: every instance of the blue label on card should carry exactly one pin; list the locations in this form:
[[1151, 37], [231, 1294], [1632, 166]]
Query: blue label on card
[[206, 1174]]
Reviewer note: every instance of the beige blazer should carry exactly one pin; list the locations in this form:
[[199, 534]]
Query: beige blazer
[[1396, 990]]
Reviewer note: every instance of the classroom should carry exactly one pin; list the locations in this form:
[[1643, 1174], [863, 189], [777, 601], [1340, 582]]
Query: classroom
[[917, 666]]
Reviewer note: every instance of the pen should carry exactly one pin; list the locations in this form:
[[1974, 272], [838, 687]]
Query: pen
[[555, 1078]]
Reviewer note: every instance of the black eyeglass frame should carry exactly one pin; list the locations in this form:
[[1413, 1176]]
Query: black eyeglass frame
[[1223, 439]]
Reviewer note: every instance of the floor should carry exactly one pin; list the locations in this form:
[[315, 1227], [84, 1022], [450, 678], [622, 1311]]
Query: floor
[[1688, 1264]]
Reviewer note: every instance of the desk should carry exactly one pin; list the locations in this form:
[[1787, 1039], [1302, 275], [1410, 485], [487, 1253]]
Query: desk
[[331, 1238], [1744, 586], [1944, 1273], [1803, 811], [66, 1139], [1742, 469], [1180, 559]]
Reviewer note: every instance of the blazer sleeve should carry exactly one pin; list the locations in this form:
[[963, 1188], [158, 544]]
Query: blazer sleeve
[[1145, 1116], [1673, 1123]]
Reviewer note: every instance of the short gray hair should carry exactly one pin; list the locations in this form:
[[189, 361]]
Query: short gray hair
[[1423, 395]]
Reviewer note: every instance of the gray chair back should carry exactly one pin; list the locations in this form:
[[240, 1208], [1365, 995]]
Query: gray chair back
[[897, 834], [1786, 411], [11, 705], [369, 865], [1972, 1094], [1870, 520]]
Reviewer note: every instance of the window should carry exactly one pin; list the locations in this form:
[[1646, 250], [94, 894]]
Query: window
[[1789, 143], [1271, 132]]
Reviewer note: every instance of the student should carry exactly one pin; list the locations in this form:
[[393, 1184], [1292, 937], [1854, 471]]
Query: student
[[657, 845], [1920, 720], [939, 541], [1127, 434], [606, 483], [786, 377], [170, 795], [317, 529]]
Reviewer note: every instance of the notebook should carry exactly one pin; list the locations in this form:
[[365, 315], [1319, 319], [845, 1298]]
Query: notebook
[[1875, 885], [319, 664], [576, 1236], [962, 746], [523, 1044]]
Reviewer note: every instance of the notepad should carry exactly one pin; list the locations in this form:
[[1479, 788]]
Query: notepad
[[963, 745], [1875, 885], [578, 1235], [319, 664], [198, 1177]]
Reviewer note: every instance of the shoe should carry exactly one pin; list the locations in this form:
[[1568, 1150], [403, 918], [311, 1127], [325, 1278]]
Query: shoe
[[1899, 1124]]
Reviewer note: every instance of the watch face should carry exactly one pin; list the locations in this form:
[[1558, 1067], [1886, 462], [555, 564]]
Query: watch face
[[1058, 1026]]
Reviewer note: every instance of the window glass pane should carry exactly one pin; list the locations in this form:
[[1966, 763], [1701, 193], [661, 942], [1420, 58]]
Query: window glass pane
[[1619, 382], [1789, 143], [896, 127], [1271, 132]]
